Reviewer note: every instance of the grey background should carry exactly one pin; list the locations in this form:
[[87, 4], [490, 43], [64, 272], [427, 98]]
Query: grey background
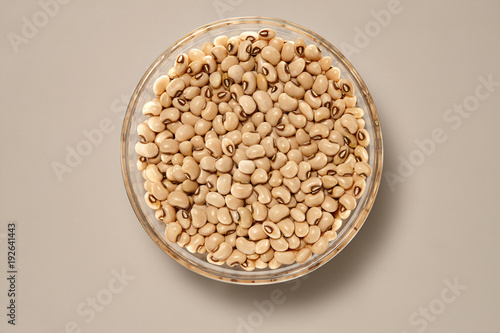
[[438, 223]]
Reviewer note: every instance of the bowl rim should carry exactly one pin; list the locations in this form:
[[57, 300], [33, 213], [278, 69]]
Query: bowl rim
[[376, 141]]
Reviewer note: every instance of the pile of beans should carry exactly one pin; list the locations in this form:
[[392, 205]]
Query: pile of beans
[[253, 151]]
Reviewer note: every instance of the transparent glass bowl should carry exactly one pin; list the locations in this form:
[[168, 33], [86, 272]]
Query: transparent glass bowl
[[134, 181]]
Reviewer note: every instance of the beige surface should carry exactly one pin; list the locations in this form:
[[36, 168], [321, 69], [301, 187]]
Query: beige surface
[[433, 225]]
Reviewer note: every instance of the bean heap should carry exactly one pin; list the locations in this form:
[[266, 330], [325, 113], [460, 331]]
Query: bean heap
[[253, 151]]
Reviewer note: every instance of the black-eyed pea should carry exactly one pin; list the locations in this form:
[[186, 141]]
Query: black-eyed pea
[[263, 194], [159, 214], [232, 45], [275, 91], [279, 244], [275, 179], [190, 168], [349, 122], [175, 87], [278, 212], [184, 219], [345, 169], [271, 230], [244, 217], [284, 257], [304, 170], [283, 72], [346, 87], [159, 191], [297, 215], [282, 194], [215, 199], [301, 229], [249, 82], [240, 190], [326, 221], [202, 178], [328, 148], [330, 235], [306, 110], [361, 168], [160, 84], [329, 204], [255, 151], [328, 181], [200, 195], [293, 242], [219, 53], [325, 63], [151, 201], [359, 188], [341, 156], [215, 80], [342, 213], [286, 227], [196, 243], [269, 72], [260, 264], [313, 215], [186, 148], [249, 264], [145, 133], [248, 65], [165, 100], [338, 109], [320, 246], [241, 232], [274, 264], [262, 246], [207, 163], [183, 239], [194, 67], [319, 131], [293, 184], [336, 192], [314, 199], [224, 216], [289, 170], [326, 101], [259, 176], [298, 121], [173, 232], [363, 137], [318, 161], [178, 199], [245, 246], [153, 174], [321, 114], [227, 229], [256, 232], [296, 67], [224, 164], [348, 201], [333, 74], [287, 52], [271, 55], [263, 100], [313, 234], [313, 68], [240, 177], [303, 255], [222, 251], [244, 50], [250, 138], [259, 211], [336, 137], [344, 182], [277, 43], [189, 186]]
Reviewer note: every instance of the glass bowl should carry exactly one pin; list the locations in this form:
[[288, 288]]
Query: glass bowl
[[134, 181]]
